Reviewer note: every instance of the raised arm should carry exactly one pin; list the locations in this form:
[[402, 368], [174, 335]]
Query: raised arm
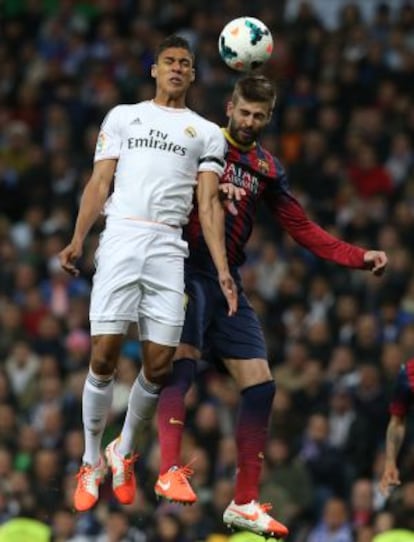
[[394, 439], [310, 235], [92, 202], [211, 214], [324, 245], [290, 214]]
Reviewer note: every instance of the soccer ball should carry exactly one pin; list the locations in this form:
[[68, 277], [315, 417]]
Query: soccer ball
[[245, 43]]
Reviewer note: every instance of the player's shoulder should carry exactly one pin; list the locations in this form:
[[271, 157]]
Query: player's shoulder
[[132, 109], [205, 124], [265, 154], [270, 164], [123, 112]]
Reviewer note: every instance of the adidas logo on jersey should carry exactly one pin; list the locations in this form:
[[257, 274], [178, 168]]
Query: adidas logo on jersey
[[136, 121]]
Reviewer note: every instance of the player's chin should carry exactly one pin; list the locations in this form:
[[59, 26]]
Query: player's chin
[[175, 90], [245, 138]]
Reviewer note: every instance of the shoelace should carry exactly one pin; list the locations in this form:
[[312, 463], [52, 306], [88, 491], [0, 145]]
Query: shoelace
[[265, 507], [129, 466], [183, 474], [83, 476]]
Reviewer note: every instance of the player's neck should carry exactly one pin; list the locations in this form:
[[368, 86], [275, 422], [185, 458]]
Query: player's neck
[[235, 143], [166, 100]]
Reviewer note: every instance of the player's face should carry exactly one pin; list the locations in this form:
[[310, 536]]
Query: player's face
[[247, 119], [174, 72]]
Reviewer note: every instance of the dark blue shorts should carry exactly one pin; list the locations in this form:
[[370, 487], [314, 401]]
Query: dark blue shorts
[[208, 327]]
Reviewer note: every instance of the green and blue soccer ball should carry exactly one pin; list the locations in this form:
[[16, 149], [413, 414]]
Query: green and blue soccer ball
[[245, 44]]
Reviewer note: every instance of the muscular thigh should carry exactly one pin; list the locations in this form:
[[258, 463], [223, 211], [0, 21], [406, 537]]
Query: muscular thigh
[[201, 304], [162, 305], [237, 340], [236, 337], [248, 372], [140, 276], [115, 292]]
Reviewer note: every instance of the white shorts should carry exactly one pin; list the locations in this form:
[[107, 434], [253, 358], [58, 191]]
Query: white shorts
[[139, 278]]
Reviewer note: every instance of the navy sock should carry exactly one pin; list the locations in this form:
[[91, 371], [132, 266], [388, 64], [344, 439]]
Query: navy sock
[[251, 436], [171, 412]]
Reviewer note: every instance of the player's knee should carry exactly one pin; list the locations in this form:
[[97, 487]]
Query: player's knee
[[103, 362], [157, 361], [103, 366], [104, 356], [158, 373], [159, 368]]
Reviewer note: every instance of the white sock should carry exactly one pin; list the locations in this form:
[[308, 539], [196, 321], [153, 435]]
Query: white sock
[[96, 402], [142, 404]]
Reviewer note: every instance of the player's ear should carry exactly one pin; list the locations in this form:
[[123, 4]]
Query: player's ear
[[271, 109], [192, 75], [270, 115], [229, 108], [154, 71]]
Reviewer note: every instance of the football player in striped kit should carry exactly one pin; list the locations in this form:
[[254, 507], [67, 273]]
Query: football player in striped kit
[[239, 341]]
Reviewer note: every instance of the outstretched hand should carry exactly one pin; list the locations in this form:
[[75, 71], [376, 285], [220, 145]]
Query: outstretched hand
[[389, 480], [68, 258], [376, 261], [229, 289], [230, 195]]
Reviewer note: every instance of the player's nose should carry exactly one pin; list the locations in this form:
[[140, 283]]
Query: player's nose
[[176, 66]]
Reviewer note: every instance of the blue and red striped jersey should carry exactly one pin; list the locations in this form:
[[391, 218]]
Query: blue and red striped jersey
[[403, 394], [264, 178]]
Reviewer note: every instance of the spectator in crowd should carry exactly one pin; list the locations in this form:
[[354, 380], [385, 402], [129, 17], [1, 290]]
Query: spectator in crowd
[[396, 430], [334, 525]]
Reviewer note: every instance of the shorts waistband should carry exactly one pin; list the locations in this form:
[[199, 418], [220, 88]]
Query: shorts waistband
[[132, 222], [144, 221]]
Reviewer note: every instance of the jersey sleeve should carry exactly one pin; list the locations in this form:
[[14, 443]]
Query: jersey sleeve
[[212, 158], [108, 144], [402, 394], [290, 214]]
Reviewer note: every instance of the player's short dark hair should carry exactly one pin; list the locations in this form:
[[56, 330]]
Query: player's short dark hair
[[173, 41], [255, 88]]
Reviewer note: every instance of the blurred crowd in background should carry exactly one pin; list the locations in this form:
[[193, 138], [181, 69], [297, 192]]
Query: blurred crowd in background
[[343, 127]]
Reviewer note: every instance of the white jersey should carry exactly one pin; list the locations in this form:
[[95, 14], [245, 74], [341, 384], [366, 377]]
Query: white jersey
[[160, 150]]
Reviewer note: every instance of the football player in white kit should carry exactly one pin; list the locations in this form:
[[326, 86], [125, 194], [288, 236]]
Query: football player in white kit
[[157, 153]]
